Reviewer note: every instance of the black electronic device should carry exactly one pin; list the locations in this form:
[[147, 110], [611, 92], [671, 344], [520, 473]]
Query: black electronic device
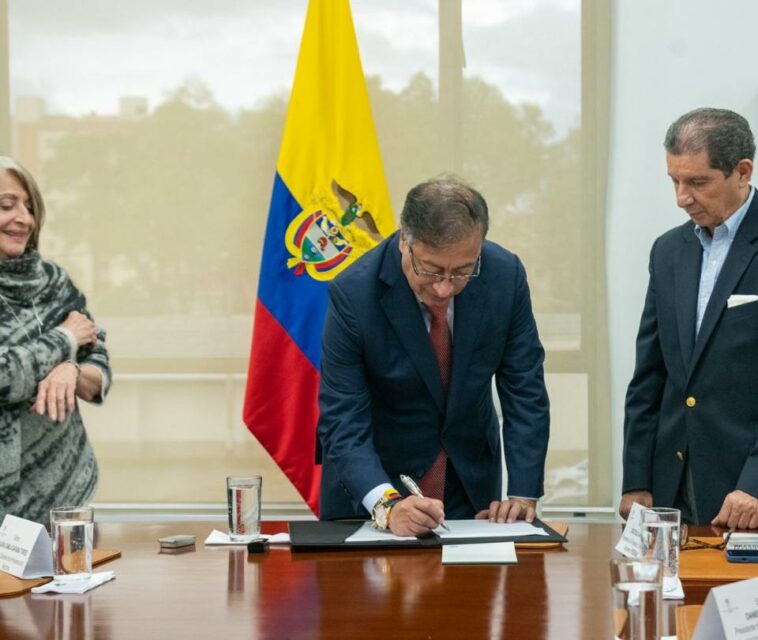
[[257, 546]]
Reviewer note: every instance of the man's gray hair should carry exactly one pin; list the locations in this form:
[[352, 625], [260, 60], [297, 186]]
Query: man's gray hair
[[442, 211], [723, 134]]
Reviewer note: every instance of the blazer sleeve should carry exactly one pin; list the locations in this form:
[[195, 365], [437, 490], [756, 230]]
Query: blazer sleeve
[[523, 397], [345, 426], [643, 396], [748, 480]]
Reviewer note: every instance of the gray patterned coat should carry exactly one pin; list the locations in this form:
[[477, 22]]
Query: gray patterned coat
[[42, 463]]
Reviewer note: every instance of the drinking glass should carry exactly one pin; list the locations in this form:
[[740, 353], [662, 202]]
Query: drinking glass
[[72, 530], [243, 495], [660, 538], [637, 585]]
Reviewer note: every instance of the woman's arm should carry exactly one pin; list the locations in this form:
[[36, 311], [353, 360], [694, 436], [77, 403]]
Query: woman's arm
[[23, 366], [56, 393]]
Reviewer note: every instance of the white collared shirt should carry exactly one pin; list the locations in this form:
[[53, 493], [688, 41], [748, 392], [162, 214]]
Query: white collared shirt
[[715, 250]]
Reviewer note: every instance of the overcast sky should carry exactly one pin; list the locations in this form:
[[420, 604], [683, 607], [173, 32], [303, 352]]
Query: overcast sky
[[82, 55]]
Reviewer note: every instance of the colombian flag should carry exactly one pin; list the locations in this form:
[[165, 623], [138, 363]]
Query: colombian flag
[[329, 206]]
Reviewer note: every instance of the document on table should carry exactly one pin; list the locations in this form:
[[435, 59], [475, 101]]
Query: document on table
[[480, 553], [459, 529], [217, 537], [486, 529]]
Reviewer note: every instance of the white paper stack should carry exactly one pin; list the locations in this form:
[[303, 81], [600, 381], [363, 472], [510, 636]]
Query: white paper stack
[[479, 553]]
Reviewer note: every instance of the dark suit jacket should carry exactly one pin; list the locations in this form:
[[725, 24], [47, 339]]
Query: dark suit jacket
[[717, 372], [383, 410]]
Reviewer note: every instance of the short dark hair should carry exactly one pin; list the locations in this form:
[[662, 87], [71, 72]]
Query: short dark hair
[[27, 181], [723, 134], [442, 211]]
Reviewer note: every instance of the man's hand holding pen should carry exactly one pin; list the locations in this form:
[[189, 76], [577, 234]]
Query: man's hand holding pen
[[414, 516]]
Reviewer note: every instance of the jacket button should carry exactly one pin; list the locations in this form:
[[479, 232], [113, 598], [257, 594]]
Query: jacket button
[[680, 455], [691, 402]]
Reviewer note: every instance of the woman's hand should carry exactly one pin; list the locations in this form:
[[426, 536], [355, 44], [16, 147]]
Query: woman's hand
[[81, 327], [56, 393], [90, 382]]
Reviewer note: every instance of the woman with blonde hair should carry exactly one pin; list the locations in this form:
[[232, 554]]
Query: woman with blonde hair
[[51, 353]]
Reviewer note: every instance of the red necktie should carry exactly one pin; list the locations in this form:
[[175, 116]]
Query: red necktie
[[433, 483], [439, 334]]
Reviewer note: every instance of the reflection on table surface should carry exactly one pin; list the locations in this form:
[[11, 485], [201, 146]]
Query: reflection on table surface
[[208, 592]]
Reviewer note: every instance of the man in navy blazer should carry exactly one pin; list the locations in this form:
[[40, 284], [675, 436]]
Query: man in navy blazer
[[691, 427], [388, 404]]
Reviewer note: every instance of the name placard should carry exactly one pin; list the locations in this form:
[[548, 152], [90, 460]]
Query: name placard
[[25, 550], [730, 613], [630, 543]]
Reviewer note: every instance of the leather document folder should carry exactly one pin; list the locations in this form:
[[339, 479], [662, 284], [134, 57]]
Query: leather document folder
[[331, 535], [686, 620]]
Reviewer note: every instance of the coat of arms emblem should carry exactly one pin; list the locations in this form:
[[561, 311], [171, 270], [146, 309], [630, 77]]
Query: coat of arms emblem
[[329, 234]]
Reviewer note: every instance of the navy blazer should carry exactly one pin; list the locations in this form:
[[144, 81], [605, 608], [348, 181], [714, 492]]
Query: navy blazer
[[694, 397], [383, 410]]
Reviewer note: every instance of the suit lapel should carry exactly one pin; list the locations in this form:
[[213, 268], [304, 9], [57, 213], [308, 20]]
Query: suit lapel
[[404, 315], [686, 284], [740, 255]]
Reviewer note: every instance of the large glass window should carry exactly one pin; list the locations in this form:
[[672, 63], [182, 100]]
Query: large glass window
[[154, 128]]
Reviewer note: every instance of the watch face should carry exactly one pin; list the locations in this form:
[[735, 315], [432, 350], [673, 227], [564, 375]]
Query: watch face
[[380, 515]]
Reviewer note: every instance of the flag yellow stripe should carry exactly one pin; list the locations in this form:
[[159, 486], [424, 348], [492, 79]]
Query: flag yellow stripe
[[329, 132]]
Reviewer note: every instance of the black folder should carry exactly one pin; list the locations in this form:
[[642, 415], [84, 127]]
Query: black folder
[[331, 535]]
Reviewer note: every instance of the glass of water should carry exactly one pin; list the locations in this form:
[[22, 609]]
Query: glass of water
[[72, 529], [243, 496], [637, 591], [660, 538]]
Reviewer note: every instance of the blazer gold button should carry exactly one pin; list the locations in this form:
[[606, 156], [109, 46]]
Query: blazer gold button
[[680, 455], [691, 402]]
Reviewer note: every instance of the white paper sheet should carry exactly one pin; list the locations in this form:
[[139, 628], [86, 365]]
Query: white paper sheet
[[219, 538], [459, 529], [61, 585], [486, 529], [480, 553], [367, 533]]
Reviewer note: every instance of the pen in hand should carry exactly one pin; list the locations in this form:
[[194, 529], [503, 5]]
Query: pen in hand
[[413, 488]]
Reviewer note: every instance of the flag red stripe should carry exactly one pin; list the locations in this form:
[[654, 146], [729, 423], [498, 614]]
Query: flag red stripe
[[281, 404]]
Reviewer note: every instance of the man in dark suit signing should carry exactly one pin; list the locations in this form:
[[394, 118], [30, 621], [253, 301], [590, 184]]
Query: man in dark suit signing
[[691, 427], [414, 333]]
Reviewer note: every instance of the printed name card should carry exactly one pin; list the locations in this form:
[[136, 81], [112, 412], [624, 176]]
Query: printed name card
[[25, 550], [630, 544], [730, 613]]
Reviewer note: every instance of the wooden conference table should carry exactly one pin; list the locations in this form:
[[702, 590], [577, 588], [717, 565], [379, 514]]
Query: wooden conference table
[[224, 593]]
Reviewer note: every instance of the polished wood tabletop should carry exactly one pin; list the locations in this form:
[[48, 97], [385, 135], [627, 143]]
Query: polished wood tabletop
[[224, 593]]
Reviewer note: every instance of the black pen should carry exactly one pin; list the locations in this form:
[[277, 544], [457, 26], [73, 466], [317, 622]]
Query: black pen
[[413, 488]]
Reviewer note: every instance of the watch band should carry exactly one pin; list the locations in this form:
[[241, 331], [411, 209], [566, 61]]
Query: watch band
[[380, 514]]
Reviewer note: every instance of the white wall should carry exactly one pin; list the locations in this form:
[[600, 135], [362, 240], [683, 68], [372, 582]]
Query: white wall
[[669, 56]]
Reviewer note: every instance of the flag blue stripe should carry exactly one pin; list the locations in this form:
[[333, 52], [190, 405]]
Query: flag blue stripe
[[297, 302]]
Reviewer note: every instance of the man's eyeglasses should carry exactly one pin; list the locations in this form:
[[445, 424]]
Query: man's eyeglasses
[[686, 543], [441, 277]]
